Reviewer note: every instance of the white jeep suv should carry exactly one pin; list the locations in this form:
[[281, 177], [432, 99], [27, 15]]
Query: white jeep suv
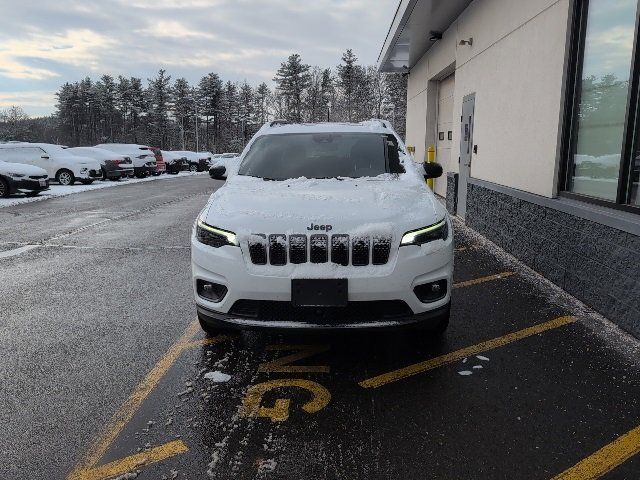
[[323, 226]]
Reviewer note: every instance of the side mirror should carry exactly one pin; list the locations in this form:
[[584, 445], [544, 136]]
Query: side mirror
[[218, 172], [46, 157], [432, 170]]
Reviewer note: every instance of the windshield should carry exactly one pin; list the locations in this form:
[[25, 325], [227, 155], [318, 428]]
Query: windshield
[[321, 155]]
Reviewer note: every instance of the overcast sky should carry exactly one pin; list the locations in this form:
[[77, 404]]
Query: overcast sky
[[46, 43]]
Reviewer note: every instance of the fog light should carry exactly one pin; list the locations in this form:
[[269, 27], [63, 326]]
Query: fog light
[[214, 292], [431, 292]]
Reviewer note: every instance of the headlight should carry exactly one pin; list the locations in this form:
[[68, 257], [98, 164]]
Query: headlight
[[214, 237], [15, 175], [437, 231]]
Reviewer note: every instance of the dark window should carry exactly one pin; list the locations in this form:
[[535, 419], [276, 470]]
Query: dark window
[[602, 163], [321, 155]]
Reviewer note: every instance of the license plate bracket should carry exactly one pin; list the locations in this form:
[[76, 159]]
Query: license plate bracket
[[312, 292]]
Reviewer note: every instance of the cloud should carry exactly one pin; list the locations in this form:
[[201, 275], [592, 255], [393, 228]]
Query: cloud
[[44, 44], [74, 47]]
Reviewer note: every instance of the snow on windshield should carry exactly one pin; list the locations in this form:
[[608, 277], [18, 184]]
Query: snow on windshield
[[321, 155]]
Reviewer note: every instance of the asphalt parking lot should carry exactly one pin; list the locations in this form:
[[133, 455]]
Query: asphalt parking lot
[[105, 372]]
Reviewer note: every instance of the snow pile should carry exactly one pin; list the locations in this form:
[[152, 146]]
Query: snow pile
[[217, 377], [62, 191]]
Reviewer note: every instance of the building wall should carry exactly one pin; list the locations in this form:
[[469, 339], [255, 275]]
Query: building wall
[[595, 263], [515, 67]]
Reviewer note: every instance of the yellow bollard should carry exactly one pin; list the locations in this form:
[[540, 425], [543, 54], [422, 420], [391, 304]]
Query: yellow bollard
[[431, 158]]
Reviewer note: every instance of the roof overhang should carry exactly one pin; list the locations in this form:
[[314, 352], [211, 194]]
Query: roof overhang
[[408, 38]]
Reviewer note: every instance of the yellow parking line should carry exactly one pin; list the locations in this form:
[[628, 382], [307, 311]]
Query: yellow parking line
[[126, 412], [605, 459], [127, 464], [395, 375], [488, 278]]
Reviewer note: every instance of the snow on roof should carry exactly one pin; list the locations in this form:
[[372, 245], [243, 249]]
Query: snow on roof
[[369, 126]]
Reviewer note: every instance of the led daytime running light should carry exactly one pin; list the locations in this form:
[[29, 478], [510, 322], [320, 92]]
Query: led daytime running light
[[410, 237], [231, 237]]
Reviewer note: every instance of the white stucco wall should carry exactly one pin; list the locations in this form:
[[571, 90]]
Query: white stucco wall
[[515, 67]]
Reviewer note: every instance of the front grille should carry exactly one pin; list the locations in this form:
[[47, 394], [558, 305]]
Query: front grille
[[95, 173], [319, 248], [37, 177], [354, 312]]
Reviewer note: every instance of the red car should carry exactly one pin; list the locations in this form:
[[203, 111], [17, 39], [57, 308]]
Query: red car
[[161, 166]]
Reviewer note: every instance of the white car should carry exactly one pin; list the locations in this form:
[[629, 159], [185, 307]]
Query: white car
[[323, 226], [113, 165], [143, 158], [18, 178], [59, 163]]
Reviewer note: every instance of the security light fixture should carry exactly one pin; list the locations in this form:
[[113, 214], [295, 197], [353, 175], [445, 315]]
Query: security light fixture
[[434, 35], [466, 42]]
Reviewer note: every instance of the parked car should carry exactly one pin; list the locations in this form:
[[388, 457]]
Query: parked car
[[20, 178], [323, 226], [113, 165], [222, 158], [175, 162], [59, 163], [196, 162], [143, 158], [161, 166]]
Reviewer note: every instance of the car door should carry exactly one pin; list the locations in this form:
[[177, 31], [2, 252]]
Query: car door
[[38, 157]]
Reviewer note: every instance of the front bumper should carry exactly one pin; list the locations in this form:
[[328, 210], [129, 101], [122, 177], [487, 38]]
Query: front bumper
[[27, 185], [411, 266]]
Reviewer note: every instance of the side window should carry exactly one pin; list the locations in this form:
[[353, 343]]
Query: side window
[[11, 154], [393, 157]]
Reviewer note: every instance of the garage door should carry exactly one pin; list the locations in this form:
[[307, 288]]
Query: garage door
[[445, 120]]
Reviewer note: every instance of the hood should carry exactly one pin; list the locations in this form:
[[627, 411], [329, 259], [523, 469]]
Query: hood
[[388, 204], [21, 168]]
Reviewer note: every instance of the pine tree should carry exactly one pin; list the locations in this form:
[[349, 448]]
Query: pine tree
[[209, 97], [159, 98], [262, 100], [292, 79], [347, 77], [183, 110]]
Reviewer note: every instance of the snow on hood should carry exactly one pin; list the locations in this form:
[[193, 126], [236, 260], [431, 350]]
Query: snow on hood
[[21, 168], [383, 205]]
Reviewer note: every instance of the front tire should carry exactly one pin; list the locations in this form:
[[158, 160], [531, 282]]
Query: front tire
[[65, 178], [4, 188], [440, 327]]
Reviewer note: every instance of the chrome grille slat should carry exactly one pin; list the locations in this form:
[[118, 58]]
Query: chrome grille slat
[[298, 249], [340, 249], [258, 250], [278, 249], [319, 248], [381, 250]]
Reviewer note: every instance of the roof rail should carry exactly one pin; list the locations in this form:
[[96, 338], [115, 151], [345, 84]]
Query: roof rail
[[275, 123]]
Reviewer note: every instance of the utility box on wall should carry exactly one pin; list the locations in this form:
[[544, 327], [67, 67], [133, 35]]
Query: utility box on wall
[[452, 192]]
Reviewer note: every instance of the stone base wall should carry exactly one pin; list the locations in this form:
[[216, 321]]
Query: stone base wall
[[595, 263]]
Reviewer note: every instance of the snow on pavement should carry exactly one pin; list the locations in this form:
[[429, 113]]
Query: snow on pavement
[[61, 191]]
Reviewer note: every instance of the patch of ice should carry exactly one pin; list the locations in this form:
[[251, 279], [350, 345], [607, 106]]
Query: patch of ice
[[217, 377], [477, 367], [483, 358], [465, 373]]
